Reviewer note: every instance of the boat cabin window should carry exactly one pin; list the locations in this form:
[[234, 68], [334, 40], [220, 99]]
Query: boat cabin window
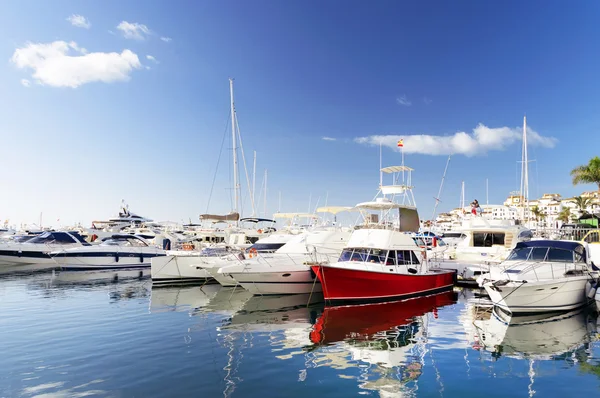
[[359, 255], [266, 247], [538, 254], [406, 257], [487, 239], [456, 235], [560, 256], [53, 238], [520, 254], [377, 256]]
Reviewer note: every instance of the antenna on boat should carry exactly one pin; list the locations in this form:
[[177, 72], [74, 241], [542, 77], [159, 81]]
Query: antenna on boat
[[254, 186], [380, 166], [487, 198], [234, 149], [462, 196]]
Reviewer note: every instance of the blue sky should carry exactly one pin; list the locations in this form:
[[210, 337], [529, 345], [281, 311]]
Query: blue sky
[[78, 135]]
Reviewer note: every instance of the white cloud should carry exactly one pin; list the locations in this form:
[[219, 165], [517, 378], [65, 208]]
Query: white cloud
[[479, 142], [133, 30], [166, 39], [328, 139], [62, 64], [79, 21], [402, 100], [25, 82], [427, 101], [151, 58]]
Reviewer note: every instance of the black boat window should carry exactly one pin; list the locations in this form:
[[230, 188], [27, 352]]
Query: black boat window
[[538, 254], [53, 237], [487, 239], [391, 258], [406, 257], [519, 254], [266, 247], [560, 256]]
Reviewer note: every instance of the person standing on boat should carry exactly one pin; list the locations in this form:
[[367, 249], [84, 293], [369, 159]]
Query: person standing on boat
[[475, 208]]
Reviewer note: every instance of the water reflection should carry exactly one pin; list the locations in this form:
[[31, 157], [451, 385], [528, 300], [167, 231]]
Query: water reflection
[[541, 337], [390, 338], [238, 343]]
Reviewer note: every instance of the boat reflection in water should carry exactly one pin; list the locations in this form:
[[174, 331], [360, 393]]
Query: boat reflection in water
[[390, 337], [539, 337]]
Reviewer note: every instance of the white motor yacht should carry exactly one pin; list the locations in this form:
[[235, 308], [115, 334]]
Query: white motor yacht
[[482, 243], [542, 276], [191, 267], [118, 251], [34, 253], [286, 271]]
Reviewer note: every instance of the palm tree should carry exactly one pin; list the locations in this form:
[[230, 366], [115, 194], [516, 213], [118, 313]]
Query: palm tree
[[587, 173], [582, 204], [565, 215], [538, 214]]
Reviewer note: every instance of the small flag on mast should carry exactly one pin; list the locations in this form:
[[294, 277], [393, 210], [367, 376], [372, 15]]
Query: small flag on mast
[[400, 143]]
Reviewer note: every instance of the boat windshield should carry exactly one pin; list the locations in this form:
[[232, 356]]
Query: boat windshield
[[545, 254], [379, 256], [266, 247], [127, 242], [53, 238]]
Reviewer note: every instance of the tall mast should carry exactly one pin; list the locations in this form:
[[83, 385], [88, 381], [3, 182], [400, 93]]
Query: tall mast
[[487, 197], [254, 186], [265, 198], [462, 195], [234, 150], [524, 194]]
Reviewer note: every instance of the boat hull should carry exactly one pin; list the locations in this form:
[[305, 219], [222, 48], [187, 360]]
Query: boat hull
[[178, 269], [540, 296], [280, 282], [105, 261], [342, 285], [225, 280]]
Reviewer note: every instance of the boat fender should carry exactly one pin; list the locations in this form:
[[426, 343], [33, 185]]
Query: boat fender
[[141, 258], [424, 253], [19, 253], [116, 257], [435, 242]]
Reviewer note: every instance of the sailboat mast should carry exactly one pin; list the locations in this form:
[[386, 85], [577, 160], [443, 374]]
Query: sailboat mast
[[234, 149], [254, 186], [524, 174], [265, 198]]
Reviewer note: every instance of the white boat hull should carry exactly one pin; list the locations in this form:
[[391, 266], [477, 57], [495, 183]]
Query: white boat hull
[[179, 269], [102, 262], [278, 282], [225, 280], [540, 296]]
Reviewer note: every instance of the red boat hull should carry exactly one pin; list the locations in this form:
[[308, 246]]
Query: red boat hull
[[346, 285], [364, 321]]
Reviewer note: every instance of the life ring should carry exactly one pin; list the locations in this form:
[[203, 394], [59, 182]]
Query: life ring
[[259, 231], [252, 252], [94, 237], [188, 246]]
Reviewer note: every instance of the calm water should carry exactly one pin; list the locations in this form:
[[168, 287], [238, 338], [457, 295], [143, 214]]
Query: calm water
[[65, 335]]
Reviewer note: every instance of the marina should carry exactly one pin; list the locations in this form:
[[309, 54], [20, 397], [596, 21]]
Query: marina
[[292, 199]]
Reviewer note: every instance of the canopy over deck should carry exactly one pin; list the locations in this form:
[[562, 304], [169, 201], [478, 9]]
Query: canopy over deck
[[396, 169], [214, 217], [294, 215], [333, 209]]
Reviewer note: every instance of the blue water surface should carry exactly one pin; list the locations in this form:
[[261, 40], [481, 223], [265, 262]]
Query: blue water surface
[[72, 335]]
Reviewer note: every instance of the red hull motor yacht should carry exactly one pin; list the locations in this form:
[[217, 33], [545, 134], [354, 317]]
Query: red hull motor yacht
[[381, 261]]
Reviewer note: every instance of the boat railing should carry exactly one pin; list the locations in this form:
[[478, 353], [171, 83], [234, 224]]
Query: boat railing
[[535, 266]]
